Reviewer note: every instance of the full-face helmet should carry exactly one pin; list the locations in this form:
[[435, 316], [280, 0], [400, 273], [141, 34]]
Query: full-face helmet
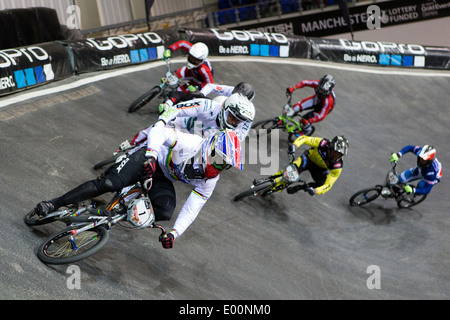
[[197, 55], [221, 151], [339, 145], [326, 85], [426, 156], [236, 109], [246, 89]]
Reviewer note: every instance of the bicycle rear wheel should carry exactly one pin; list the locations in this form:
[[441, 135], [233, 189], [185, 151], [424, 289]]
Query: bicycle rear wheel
[[365, 196], [251, 191], [105, 162], [144, 99], [405, 203], [66, 247]]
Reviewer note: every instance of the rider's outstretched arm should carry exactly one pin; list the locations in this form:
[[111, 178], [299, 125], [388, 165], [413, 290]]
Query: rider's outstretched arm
[[331, 179], [310, 141], [193, 205]]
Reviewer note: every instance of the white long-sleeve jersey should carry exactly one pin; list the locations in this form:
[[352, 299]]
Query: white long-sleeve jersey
[[219, 89], [199, 116], [176, 152]]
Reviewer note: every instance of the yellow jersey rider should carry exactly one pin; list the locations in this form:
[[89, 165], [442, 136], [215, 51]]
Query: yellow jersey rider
[[323, 161]]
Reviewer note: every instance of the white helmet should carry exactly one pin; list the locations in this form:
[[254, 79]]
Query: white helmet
[[140, 212], [197, 54], [240, 108]]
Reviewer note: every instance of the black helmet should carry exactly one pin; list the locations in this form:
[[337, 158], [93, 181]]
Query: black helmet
[[339, 144], [326, 84], [246, 89]]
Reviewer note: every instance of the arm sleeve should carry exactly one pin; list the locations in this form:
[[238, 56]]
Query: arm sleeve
[[331, 179], [327, 106], [193, 205], [206, 75], [158, 136], [218, 89], [182, 44], [178, 96], [307, 83], [310, 141], [406, 149]]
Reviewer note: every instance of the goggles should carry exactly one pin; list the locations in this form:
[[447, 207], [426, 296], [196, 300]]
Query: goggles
[[193, 60]]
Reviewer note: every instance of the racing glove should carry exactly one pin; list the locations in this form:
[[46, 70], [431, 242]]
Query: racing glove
[[311, 191], [409, 189], [167, 54], [149, 167], [167, 240], [169, 114], [394, 157], [290, 90]]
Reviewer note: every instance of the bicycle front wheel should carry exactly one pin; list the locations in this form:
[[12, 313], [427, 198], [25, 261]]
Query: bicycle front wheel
[[365, 196], [253, 190], [66, 247], [144, 99]]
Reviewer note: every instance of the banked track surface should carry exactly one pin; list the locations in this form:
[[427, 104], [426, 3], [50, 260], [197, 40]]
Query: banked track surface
[[283, 247]]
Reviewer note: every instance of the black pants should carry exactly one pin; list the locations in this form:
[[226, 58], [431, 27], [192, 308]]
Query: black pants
[[120, 175], [318, 174]]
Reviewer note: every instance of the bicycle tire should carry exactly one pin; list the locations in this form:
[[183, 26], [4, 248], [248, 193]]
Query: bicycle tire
[[373, 192], [105, 162], [404, 204], [251, 191], [272, 124], [63, 246], [144, 99]]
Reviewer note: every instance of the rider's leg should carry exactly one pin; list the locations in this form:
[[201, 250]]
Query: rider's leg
[[113, 179], [307, 103], [302, 163], [410, 175], [162, 196], [318, 174]]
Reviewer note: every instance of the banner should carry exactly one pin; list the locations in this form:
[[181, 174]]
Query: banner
[[380, 53], [117, 51], [250, 43], [27, 67], [24, 27], [333, 22]]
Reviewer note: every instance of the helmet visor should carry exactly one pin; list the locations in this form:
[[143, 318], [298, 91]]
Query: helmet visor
[[194, 61], [321, 92], [231, 119]]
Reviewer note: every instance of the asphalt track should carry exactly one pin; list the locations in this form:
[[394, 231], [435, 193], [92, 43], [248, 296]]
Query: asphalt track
[[283, 247]]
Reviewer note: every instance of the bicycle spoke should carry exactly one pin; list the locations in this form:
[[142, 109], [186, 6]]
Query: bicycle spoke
[[69, 245]]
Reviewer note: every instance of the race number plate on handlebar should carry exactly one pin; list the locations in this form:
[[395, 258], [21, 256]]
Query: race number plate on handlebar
[[291, 174]]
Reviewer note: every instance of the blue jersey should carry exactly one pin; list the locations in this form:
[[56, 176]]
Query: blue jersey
[[430, 174]]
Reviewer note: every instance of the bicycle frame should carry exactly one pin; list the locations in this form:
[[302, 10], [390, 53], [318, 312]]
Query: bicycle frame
[[392, 185], [275, 183], [392, 188], [287, 120]]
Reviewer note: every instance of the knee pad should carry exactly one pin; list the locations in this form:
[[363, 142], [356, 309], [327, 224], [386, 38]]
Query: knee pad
[[163, 203], [104, 184]]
